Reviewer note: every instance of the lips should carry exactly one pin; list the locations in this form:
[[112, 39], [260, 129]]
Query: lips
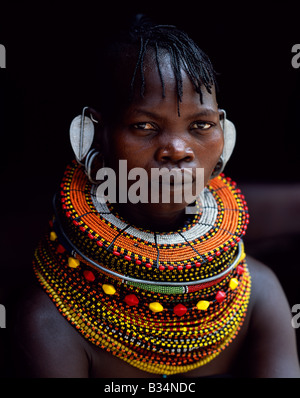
[[173, 176]]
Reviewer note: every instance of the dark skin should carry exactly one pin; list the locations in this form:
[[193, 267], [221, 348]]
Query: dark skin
[[151, 134]]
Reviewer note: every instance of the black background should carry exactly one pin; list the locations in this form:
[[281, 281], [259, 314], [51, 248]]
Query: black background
[[50, 52]]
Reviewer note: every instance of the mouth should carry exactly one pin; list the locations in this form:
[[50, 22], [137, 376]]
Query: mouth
[[175, 177]]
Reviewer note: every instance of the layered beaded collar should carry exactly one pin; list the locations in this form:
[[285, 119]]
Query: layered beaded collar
[[164, 302]]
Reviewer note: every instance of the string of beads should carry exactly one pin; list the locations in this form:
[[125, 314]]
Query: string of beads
[[163, 316]]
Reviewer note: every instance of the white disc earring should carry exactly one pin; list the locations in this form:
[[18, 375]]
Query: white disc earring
[[81, 135]]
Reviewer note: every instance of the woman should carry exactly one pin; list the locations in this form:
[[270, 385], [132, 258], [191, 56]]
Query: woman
[[147, 288]]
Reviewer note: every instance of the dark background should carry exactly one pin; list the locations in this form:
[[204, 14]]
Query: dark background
[[49, 74]]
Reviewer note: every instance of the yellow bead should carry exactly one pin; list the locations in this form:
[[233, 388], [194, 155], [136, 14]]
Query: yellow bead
[[156, 307], [233, 283], [73, 262], [108, 289], [203, 305], [53, 236]]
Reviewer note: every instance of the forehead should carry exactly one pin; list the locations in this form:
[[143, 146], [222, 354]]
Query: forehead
[[126, 83], [158, 86]]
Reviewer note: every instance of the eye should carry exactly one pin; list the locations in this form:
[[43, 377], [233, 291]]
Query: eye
[[201, 126], [143, 126]]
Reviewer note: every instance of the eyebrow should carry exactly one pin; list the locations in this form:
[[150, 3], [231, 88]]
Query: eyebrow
[[204, 112]]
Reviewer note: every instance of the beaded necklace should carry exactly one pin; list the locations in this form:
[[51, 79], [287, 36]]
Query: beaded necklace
[[165, 303]]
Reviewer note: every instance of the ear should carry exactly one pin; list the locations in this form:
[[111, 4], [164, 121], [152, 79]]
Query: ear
[[229, 137]]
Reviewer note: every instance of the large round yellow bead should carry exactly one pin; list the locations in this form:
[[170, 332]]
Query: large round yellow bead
[[73, 262], [53, 236], [202, 305], [108, 289], [233, 283], [156, 307]]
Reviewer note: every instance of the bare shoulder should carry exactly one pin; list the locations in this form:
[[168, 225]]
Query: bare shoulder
[[46, 345], [273, 350]]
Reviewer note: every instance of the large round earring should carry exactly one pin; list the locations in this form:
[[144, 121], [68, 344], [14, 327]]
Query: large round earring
[[218, 168], [82, 132], [82, 135], [93, 155], [229, 132]]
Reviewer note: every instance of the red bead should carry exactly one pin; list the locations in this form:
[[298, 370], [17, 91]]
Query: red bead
[[179, 309], [60, 249], [64, 207], [128, 258], [180, 267], [210, 258], [238, 239], [148, 265], [99, 243], [138, 262], [197, 264], [75, 222], [188, 266], [170, 267], [225, 248], [218, 253], [232, 244], [161, 267], [220, 296], [82, 228], [68, 214], [240, 269], [89, 276], [116, 253], [131, 299], [91, 236]]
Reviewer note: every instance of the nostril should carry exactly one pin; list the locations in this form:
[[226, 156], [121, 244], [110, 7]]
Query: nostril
[[175, 153]]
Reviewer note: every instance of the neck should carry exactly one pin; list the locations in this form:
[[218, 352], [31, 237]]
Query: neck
[[159, 221]]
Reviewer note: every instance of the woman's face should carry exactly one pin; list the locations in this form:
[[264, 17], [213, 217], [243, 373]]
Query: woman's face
[[151, 134]]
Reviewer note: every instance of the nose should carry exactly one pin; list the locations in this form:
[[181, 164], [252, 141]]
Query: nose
[[175, 151]]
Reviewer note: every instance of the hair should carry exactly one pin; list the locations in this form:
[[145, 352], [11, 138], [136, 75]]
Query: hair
[[134, 42]]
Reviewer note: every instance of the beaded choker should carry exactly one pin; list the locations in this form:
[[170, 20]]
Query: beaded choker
[[167, 302]]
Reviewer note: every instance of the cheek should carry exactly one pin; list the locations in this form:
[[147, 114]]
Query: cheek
[[120, 147], [209, 153]]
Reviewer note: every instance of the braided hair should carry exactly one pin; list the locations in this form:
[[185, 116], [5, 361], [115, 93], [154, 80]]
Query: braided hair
[[141, 37]]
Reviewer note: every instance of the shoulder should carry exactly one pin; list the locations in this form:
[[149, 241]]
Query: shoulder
[[272, 337], [37, 313], [46, 345]]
